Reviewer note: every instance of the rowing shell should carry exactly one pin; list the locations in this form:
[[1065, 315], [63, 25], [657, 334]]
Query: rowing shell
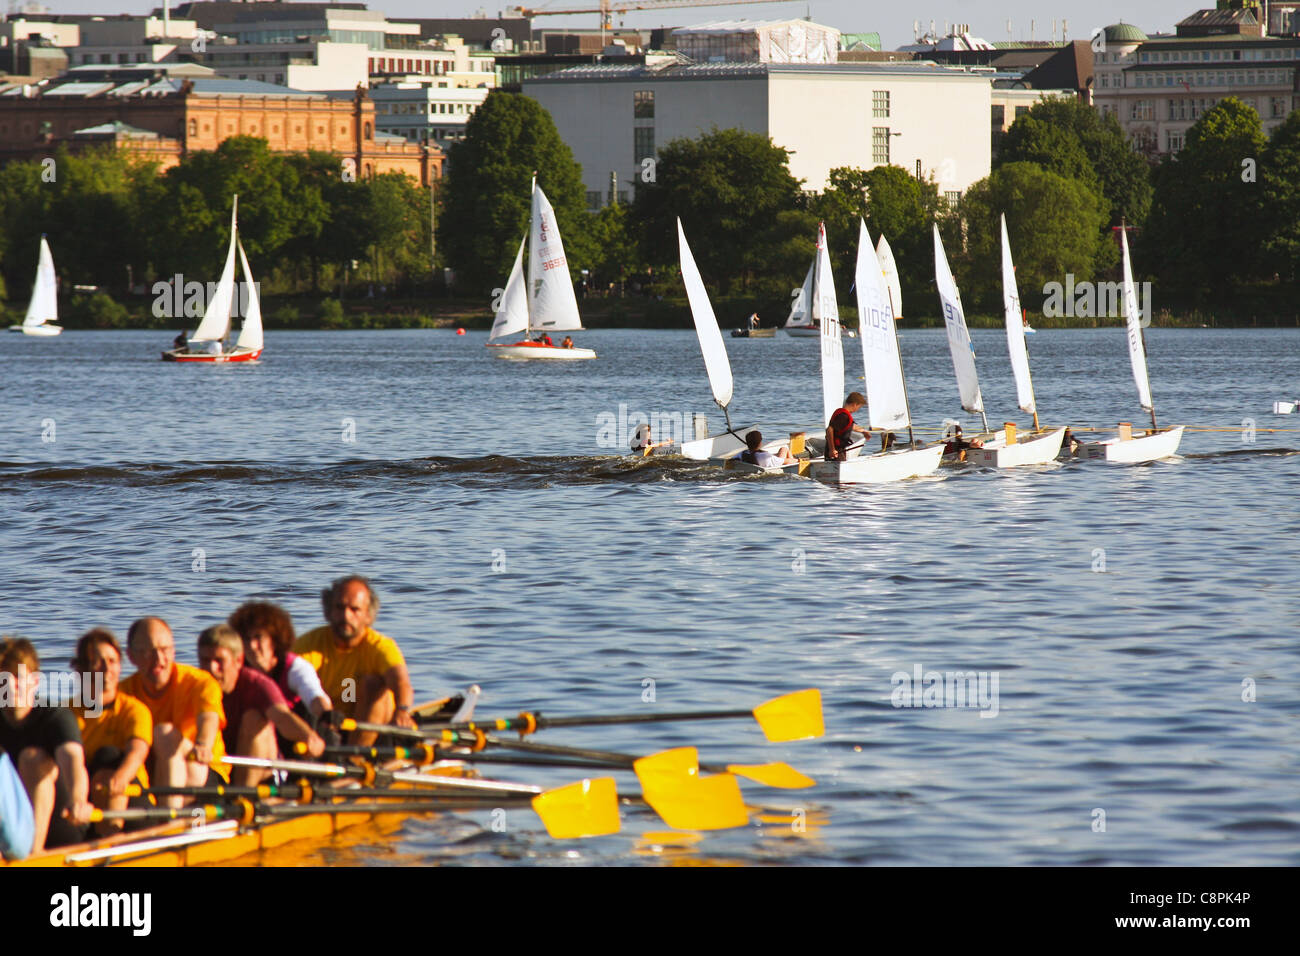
[[178, 843]]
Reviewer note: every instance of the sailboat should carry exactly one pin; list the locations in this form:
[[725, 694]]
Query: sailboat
[[43, 310], [800, 323], [716, 364], [1006, 448], [546, 303], [1158, 442], [205, 345], [887, 404]]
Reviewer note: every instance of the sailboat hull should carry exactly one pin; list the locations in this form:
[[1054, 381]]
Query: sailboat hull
[[43, 331], [529, 351], [879, 468], [1028, 450], [803, 331], [238, 355], [1162, 444]]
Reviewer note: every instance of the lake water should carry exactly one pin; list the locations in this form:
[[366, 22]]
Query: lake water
[[1125, 611]]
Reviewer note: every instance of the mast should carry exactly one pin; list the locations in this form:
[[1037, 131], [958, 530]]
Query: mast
[[528, 299]]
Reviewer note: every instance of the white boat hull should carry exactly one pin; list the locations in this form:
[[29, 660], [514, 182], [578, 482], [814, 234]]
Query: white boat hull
[[531, 351], [1139, 448], [723, 445], [879, 468], [45, 330], [1032, 450]]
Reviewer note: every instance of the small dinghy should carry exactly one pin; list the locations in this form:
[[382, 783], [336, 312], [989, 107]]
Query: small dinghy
[[43, 310]]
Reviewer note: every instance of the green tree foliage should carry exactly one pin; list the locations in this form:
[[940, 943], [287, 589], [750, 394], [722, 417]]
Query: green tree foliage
[[1203, 232], [894, 203], [1054, 224], [1279, 208], [742, 210], [486, 197], [1068, 137]]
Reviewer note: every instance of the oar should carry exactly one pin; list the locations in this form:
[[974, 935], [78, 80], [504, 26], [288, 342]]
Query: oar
[[796, 716], [301, 792], [370, 773]]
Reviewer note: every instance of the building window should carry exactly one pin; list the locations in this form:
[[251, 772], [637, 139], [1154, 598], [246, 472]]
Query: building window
[[880, 145], [952, 198], [593, 200], [880, 104], [643, 104], [643, 144], [194, 127], [999, 116], [1277, 106], [1021, 111], [1175, 141], [1142, 110]]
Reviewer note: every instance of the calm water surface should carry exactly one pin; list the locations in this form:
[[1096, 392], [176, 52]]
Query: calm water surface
[[1122, 608]]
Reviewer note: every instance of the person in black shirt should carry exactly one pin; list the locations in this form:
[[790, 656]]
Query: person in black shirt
[[47, 744]]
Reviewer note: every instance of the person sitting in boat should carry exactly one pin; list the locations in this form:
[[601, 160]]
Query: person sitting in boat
[[361, 670], [755, 455], [753, 320], [840, 429], [116, 733], [181, 340], [255, 708], [957, 445], [267, 632], [567, 343], [17, 826], [546, 339], [1069, 442], [45, 745], [186, 706]]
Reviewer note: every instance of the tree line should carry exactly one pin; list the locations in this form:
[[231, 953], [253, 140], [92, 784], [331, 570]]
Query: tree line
[[1216, 224]]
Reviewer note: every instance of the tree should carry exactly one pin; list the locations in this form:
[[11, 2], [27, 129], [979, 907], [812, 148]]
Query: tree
[[1055, 132], [1279, 185], [893, 203], [486, 196], [1203, 232], [740, 207], [1054, 224]]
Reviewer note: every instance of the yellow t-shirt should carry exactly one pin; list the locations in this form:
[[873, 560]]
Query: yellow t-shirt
[[120, 721], [189, 693], [373, 654]]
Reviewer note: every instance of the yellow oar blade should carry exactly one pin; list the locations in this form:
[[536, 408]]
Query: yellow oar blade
[[780, 775], [796, 716], [582, 809], [672, 785]]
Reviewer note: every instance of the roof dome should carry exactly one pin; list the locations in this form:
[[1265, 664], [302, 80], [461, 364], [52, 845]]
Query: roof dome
[[1124, 33]]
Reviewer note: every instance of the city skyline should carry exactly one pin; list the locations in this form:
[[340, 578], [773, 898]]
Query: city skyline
[[987, 19]]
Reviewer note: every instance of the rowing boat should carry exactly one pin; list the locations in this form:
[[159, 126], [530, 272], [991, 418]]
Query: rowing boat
[[178, 843]]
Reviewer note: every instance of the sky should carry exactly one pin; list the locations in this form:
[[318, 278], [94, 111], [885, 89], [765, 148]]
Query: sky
[[894, 21]]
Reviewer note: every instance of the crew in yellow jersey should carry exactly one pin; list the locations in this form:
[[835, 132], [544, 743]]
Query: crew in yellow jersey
[[115, 735], [361, 670], [186, 706]]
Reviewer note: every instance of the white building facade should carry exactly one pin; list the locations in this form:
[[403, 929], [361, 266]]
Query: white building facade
[[615, 118], [422, 111]]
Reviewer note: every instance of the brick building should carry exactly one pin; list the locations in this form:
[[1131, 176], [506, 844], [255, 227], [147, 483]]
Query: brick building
[[164, 113]]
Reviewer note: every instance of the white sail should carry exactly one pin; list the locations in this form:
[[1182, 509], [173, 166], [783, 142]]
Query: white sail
[[802, 305], [1015, 327], [44, 306], [886, 398], [890, 270], [512, 316], [963, 353], [1133, 315], [250, 336], [552, 303], [216, 320], [825, 311], [706, 324]]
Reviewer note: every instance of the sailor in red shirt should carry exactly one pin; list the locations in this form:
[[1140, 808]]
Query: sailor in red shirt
[[840, 429], [255, 708]]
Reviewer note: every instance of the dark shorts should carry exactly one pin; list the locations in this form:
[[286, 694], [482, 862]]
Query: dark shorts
[[214, 779]]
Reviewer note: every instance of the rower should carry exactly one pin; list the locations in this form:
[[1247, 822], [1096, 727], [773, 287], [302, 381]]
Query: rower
[[116, 733], [255, 709], [46, 747], [267, 632], [363, 671], [840, 429], [186, 706]]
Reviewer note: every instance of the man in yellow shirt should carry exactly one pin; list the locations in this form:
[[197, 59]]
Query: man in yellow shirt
[[115, 740], [186, 707], [361, 670]]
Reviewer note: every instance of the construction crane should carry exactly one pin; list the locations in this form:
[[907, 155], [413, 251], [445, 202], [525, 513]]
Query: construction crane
[[608, 8]]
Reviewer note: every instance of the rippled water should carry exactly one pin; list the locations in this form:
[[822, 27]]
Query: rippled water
[[1119, 689]]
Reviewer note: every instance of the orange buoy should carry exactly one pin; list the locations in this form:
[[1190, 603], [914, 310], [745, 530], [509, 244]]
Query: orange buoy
[[460, 331]]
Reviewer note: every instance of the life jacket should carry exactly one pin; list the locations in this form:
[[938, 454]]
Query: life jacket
[[281, 677], [841, 426]]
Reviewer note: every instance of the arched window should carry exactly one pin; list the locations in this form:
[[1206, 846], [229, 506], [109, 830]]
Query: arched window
[[194, 127], [367, 131]]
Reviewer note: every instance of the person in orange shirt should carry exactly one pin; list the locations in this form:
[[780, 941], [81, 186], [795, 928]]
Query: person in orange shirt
[[361, 670], [186, 706], [115, 740]]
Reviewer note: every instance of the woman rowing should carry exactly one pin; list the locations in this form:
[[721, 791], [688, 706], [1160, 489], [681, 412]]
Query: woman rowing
[[267, 632]]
